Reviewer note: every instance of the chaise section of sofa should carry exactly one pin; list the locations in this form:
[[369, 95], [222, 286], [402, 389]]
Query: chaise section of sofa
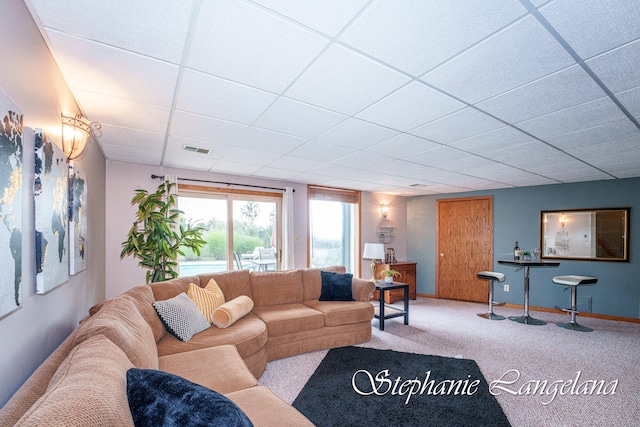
[[83, 382]]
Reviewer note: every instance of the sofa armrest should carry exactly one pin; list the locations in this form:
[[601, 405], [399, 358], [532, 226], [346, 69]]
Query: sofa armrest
[[362, 289]]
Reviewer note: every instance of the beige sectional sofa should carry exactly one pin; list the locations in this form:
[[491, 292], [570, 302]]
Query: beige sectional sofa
[[83, 382]]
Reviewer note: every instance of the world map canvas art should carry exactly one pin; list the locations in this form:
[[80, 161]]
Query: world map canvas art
[[51, 194], [78, 220], [10, 205]]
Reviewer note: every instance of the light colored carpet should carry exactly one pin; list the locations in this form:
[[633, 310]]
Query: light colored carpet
[[451, 328]]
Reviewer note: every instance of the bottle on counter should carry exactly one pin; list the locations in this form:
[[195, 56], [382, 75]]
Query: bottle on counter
[[516, 252]]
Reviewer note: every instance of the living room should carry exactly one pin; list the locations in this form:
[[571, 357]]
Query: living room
[[34, 81]]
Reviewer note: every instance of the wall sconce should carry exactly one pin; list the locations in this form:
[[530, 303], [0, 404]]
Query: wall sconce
[[75, 135], [384, 209]]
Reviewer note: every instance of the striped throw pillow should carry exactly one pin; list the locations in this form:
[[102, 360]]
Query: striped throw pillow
[[206, 299]]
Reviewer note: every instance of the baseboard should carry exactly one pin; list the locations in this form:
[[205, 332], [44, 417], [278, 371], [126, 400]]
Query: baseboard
[[553, 310]]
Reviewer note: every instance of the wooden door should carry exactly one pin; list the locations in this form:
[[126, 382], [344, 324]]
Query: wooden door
[[464, 247]]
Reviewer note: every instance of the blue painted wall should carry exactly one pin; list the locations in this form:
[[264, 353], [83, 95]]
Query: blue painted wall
[[516, 217]]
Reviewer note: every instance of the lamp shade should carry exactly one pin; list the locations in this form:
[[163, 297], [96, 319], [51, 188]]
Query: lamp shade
[[373, 251]]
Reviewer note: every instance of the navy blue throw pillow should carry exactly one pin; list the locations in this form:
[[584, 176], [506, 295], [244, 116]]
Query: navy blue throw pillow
[[159, 398], [336, 286]]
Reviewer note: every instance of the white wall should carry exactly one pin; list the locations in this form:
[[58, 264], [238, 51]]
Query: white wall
[[31, 78], [123, 178]]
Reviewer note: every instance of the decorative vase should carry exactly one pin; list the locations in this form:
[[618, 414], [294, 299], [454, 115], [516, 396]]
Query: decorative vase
[[388, 279]]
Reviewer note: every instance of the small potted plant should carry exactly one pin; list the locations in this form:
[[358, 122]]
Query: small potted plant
[[526, 256], [389, 275]]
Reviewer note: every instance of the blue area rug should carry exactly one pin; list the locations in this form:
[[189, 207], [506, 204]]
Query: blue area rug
[[356, 386]]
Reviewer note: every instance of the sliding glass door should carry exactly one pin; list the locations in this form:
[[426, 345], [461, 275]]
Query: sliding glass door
[[242, 231]]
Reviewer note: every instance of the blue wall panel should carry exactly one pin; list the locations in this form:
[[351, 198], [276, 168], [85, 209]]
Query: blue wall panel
[[517, 217]]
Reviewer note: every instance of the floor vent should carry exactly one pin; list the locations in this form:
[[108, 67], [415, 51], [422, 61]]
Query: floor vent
[[195, 149]]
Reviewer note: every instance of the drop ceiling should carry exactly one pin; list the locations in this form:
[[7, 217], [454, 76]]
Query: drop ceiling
[[403, 97]]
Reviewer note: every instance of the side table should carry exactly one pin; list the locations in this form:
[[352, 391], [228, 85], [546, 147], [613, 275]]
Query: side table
[[385, 311]]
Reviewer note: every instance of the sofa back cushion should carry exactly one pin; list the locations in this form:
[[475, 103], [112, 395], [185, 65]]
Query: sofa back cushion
[[276, 287], [142, 297], [312, 280], [171, 288], [121, 322], [88, 389], [232, 283]]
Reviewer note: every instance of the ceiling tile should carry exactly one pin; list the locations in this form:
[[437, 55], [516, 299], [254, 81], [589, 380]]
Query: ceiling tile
[[249, 156], [346, 82], [235, 168], [517, 55], [295, 164], [437, 155], [356, 134], [189, 162], [123, 112], [631, 100], [456, 126], [116, 135], [595, 135], [233, 39], [584, 116], [205, 128], [295, 118], [576, 174], [156, 28], [127, 153], [610, 153], [415, 36], [265, 139], [618, 69], [328, 16], [103, 69], [361, 160], [594, 26], [410, 107], [468, 164], [275, 173], [505, 137], [564, 89], [401, 146], [222, 99], [624, 170], [320, 151]]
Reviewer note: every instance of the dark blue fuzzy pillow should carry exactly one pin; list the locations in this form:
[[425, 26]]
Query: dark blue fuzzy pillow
[[159, 398], [336, 286]]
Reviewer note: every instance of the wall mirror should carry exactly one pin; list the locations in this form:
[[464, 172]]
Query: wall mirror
[[585, 234]]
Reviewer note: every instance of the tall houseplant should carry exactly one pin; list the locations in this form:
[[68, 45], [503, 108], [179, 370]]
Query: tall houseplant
[[157, 235]]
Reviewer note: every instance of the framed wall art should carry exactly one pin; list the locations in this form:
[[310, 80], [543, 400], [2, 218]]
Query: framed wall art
[[10, 205], [77, 219], [51, 190]]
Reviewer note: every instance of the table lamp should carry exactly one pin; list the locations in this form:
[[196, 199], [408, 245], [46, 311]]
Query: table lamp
[[373, 251]]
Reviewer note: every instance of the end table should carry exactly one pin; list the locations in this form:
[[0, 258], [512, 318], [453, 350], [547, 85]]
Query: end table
[[382, 312]]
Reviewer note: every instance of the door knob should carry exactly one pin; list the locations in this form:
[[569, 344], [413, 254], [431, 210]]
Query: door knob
[[441, 254]]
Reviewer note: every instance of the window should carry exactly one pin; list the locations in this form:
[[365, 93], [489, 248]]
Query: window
[[334, 228], [242, 229]]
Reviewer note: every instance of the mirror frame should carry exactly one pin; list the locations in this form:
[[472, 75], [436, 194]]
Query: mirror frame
[[587, 230]]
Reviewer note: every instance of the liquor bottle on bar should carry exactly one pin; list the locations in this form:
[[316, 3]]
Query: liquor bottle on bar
[[516, 252]]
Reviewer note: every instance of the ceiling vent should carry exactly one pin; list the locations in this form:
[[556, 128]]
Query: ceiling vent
[[195, 149], [417, 185]]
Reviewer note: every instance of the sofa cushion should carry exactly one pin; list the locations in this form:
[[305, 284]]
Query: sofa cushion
[[312, 281], [233, 283], [266, 409], [142, 297], [181, 316], [219, 368], [336, 286], [338, 313], [162, 399], [230, 312], [276, 287], [207, 298], [120, 321], [289, 318], [248, 334], [171, 288], [86, 390]]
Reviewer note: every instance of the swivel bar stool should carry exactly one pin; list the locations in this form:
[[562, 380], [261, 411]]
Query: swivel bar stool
[[573, 282], [491, 276]]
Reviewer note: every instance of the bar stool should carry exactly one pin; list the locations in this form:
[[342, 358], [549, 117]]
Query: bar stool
[[491, 276], [573, 282]]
